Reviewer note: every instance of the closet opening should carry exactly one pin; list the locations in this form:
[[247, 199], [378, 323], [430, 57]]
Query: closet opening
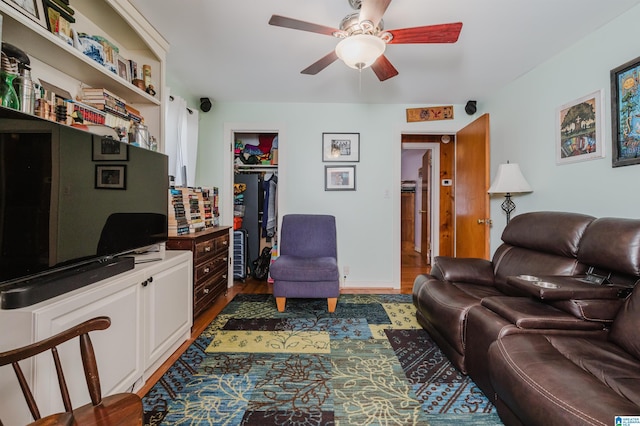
[[255, 203]]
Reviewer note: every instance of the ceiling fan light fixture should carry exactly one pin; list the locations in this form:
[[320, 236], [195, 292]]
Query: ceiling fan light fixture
[[360, 51]]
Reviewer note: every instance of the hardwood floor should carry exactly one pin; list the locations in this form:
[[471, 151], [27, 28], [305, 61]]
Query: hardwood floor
[[412, 265]]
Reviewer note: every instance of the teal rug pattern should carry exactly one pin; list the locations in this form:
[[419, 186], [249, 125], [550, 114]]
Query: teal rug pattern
[[368, 363]]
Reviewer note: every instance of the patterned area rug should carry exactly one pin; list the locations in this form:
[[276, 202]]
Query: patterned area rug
[[369, 363]]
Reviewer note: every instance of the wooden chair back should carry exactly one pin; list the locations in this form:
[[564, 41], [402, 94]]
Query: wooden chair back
[[90, 371]]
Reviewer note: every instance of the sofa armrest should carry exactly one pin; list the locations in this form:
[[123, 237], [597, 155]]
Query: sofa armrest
[[458, 269]]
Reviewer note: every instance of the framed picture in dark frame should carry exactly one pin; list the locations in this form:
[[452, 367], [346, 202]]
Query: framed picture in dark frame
[[338, 147], [111, 177], [109, 149], [625, 111], [340, 178]]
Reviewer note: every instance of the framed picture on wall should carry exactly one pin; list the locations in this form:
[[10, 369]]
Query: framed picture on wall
[[111, 177], [108, 149], [340, 178], [341, 147], [579, 129], [625, 111]]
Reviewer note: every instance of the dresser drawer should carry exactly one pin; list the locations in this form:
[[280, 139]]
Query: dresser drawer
[[205, 293], [209, 268], [208, 248]]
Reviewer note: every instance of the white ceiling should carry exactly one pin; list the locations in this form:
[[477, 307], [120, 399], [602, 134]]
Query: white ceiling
[[225, 49]]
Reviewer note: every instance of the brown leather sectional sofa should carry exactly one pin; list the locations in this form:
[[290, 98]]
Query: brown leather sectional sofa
[[549, 329]]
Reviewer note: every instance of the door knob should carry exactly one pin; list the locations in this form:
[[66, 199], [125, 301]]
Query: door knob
[[485, 221]]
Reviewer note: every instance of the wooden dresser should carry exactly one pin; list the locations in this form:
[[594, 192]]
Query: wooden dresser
[[211, 262]]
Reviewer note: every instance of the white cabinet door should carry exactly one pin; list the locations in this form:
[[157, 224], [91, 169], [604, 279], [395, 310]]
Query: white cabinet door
[[168, 301], [118, 349]]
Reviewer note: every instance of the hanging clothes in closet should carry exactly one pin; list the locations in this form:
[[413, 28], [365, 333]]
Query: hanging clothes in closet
[[269, 212]]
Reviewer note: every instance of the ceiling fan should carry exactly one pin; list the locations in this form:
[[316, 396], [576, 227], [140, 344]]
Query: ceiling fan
[[364, 38]]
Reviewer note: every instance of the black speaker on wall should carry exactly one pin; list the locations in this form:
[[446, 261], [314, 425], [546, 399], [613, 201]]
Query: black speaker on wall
[[470, 108], [205, 104]]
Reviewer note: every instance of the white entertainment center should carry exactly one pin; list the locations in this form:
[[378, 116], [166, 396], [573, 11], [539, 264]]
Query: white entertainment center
[[151, 316], [150, 306]]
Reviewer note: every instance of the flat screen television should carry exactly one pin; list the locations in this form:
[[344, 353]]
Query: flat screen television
[[72, 201]]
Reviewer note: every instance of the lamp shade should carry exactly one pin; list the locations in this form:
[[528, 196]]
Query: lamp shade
[[509, 180], [360, 51]]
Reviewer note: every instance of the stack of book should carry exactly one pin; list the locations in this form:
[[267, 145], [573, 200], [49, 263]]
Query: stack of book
[[192, 209], [117, 112], [208, 199], [177, 220], [88, 114], [194, 215]]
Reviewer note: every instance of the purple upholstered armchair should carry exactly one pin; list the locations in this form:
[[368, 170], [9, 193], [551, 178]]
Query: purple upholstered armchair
[[307, 266]]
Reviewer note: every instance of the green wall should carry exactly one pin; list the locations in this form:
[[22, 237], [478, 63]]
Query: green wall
[[523, 130], [523, 122]]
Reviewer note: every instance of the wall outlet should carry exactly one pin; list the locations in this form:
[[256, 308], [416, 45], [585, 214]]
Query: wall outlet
[[346, 270]]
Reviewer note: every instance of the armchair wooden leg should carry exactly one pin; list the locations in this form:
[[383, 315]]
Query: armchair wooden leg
[[332, 302], [280, 303]]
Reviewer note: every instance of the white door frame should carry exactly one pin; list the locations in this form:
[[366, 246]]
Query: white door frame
[[435, 191], [226, 192]]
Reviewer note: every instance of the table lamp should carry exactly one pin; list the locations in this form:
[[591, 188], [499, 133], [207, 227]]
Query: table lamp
[[509, 180]]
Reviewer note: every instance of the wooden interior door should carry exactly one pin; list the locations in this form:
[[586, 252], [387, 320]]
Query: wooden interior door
[[472, 182], [407, 222], [426, 208]]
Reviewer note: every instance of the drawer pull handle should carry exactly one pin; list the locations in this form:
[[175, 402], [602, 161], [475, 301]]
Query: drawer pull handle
[[207, 248], [224, 276], [224, 259], [225, 242], [206, 270], [205, 291]]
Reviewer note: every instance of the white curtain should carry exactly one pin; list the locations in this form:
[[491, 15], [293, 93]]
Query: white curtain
[[181, 140]]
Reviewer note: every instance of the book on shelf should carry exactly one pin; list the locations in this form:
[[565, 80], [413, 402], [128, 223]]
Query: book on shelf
[[98, 93], [86, 112]]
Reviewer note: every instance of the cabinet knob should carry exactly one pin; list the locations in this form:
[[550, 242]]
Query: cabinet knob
[[224, 276], [206, 270], [150, 279], [207, 248], [224, 259], [145, 283], [205, 291], [225, 242]]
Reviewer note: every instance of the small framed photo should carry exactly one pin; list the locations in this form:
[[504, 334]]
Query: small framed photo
[[579, 129], [124, 69], [109, 149], [341, 147], [31, 8], [340, 178], [111, 177], [625, 111]]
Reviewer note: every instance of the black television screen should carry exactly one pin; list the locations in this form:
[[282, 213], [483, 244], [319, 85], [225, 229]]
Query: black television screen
[[70, 197]]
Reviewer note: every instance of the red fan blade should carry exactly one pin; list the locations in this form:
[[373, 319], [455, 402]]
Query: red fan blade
[[443, 33], [283, 21], [320, 64], [372, 10], [383, 68]]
